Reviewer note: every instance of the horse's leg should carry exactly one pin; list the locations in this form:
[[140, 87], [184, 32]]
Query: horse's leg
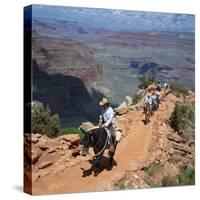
[[151, 110], [111, 154], [96, 166], [93, 165], [111, 159], [149, 114], [146, 118], [155, 106], [158, 103]]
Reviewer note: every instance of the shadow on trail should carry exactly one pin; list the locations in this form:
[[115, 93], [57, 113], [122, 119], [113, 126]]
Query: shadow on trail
[[104, 165], [145, 122]]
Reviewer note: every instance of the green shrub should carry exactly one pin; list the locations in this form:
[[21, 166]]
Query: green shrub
[[71, 130], [145, 81], [182, 117], [43, 121], [187, 177], [178, 89], [136, 98], [174, 159], [153, 169], [122, 186], [169, 181], [152, 183]]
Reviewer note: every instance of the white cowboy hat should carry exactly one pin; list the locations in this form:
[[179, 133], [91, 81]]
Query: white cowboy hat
[[103, 101]]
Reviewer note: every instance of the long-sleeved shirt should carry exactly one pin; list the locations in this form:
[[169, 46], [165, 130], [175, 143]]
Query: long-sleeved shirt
[[108, 116], [154, 98], [148, 100], [166, 85]]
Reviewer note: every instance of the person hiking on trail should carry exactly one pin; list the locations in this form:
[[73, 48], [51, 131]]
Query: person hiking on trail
[[157, 93], [107, 120]]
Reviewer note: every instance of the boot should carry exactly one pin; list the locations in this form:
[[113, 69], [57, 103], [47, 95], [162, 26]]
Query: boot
[[112, 144], [114, 140]]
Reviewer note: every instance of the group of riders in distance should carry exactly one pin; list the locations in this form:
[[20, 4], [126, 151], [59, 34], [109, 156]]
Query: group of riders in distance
[[106, 135], [152, 100]]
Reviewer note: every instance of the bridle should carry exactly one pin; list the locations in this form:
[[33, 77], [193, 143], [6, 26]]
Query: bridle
[[91, 137]]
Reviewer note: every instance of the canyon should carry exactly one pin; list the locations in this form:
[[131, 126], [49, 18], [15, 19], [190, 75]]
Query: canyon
[[107, 62]]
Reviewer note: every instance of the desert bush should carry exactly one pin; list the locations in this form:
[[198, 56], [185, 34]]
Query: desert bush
[[169, 181], [122, 186], [187, 177], [145, 81], [151, 182], [182, 117], [71, 130], [153, 169], [174, 159], [43, 121], [136, 98], [178, 89]]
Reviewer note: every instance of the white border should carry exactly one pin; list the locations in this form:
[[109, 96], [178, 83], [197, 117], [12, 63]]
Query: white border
[[11, 77]]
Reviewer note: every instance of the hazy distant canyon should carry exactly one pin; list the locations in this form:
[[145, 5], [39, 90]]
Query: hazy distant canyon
[[76, 64]]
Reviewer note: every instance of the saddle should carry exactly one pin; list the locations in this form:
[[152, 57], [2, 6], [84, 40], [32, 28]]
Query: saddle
[[117, 134]]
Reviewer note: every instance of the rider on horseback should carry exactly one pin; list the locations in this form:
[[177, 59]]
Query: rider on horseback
[[157, 93], [166, 85], [107, 120], [148, 101], [167, 89], [159, 86], [154, 101]]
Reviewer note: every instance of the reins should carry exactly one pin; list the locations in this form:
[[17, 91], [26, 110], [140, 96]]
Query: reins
[[102, 148]]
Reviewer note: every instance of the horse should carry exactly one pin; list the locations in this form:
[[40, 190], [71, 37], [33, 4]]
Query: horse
[[158, 101], [155, 104], [148, 113], [98, 139]]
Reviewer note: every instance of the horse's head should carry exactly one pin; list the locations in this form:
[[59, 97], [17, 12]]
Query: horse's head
[[86, 141]]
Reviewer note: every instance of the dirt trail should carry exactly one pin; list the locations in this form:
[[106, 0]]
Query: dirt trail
[[131, 152]]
